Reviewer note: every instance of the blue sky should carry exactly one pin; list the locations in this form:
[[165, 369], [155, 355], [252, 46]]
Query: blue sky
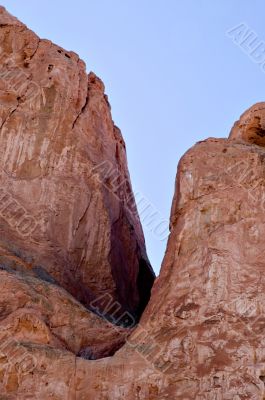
[[172, 74]]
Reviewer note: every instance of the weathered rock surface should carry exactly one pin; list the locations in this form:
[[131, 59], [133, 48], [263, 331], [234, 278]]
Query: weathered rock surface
[[66, 200], [251, 126], [38, 312], [202, 334]]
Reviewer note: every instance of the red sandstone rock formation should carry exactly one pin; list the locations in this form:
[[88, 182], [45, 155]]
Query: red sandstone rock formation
[[66, 200], [202, 334]]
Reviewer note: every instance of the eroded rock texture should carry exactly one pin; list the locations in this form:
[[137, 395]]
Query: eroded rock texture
[[66, 200], [251, 125], [202, 334]]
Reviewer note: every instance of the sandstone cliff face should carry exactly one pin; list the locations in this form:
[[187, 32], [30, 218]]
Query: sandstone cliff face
[[66, 200], [202, 335]]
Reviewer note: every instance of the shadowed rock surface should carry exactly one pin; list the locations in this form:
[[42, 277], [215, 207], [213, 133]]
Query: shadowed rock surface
[[202, 334]]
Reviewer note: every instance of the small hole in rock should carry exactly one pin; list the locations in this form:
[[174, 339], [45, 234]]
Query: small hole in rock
[[66, 55], [262, 378]]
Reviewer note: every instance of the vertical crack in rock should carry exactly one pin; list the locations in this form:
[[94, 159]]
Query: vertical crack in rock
[[82, 109]]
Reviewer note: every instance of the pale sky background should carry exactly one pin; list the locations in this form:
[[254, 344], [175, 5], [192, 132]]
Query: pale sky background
[[172, 75]]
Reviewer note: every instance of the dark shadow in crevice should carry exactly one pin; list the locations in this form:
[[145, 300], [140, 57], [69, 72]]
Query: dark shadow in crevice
[[145, 281]]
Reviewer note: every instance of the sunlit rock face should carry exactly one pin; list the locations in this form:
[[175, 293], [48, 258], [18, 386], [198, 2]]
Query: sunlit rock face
[[202, 334], [67, 202]]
